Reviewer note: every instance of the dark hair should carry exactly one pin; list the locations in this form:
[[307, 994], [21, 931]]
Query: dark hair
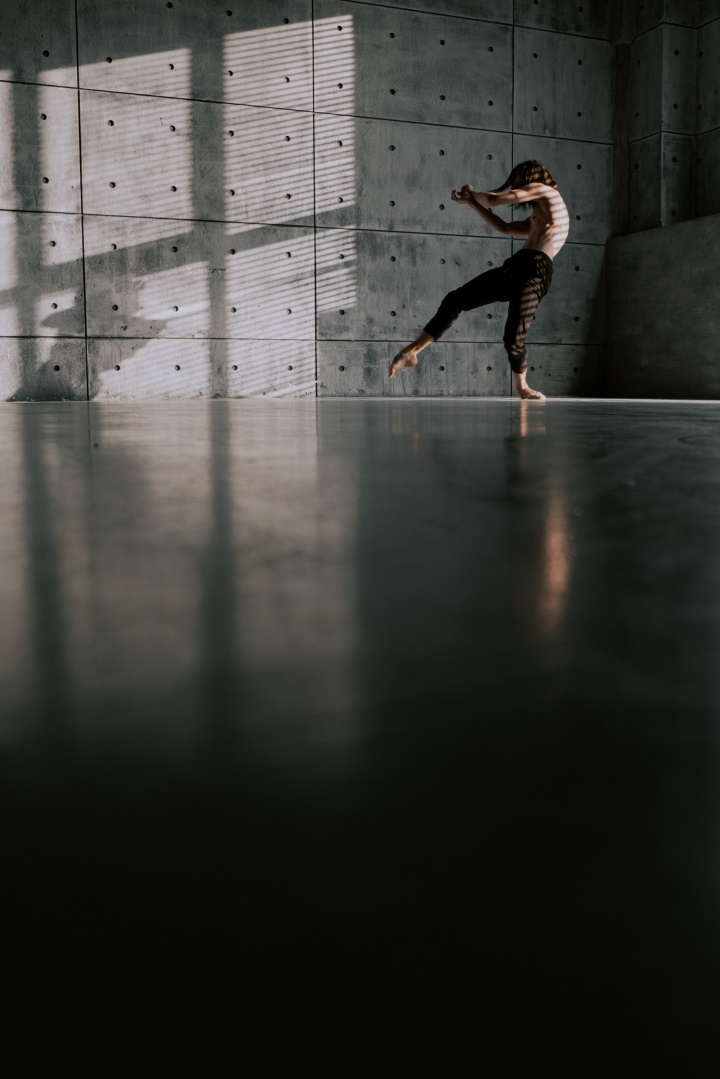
[[528, 172]]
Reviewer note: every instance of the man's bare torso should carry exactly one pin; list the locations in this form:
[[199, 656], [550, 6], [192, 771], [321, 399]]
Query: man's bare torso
[[549, 222]]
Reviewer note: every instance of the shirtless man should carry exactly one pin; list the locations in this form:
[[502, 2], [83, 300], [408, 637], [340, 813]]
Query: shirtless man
[[523, 279]]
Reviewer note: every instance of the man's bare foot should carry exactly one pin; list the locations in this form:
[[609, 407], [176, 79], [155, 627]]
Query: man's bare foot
[[527, 394], [406, 357]]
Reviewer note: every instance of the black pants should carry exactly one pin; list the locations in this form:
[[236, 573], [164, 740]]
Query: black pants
[[523, 279]]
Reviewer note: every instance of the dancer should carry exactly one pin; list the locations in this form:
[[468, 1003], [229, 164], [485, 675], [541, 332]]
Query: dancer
[[523, 279]]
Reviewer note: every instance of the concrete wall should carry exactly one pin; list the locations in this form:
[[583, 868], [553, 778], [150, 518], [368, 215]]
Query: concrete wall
[[232, 199], [668, 119], [662, 304], [664, 327]]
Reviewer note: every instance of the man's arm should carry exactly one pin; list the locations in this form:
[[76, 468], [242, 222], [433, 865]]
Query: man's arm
[[521, 229], [511, 198], [488, 215]]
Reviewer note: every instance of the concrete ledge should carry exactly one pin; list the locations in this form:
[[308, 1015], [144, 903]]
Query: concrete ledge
[[663, 319]]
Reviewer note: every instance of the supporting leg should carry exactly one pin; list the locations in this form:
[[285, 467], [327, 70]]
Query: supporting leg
[[521, 313], [524, 390]]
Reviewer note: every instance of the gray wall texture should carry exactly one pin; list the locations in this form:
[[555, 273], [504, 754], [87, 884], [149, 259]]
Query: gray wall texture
[[245, 198]]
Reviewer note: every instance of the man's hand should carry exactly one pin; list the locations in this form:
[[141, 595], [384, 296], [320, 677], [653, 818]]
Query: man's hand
[[465, 194]]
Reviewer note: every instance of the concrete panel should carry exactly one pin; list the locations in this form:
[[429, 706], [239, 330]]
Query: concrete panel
[[493, 10], [37, 43], [679, 83], [395, 282], [217, 281], [666, 321], [41, 275], [42, 369], [573, 310], [149, 368], [360, 369], [402, 65], [563, 86], [270, 369], [196, 50], [646, 75], [709, 10], [398, 280], [680, 12], [137, 368], [645, 195], [566, 370], [589, 20], [678, 178], [583, 171], [384, 174], [39, 156], [256, 163], [708, 87], [707, 193]]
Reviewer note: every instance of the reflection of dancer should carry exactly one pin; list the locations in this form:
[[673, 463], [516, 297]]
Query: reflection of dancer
[[523, 279]]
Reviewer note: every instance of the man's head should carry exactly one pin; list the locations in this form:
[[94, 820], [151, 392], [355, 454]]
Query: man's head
[[528, 172]]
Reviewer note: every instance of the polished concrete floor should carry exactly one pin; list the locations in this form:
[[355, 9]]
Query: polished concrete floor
[[424, 693]]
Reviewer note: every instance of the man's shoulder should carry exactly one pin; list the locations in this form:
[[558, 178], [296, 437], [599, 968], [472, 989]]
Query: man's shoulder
[[540, 189]]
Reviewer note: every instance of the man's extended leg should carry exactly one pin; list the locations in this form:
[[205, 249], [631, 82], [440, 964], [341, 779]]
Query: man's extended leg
[[489, 287]]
